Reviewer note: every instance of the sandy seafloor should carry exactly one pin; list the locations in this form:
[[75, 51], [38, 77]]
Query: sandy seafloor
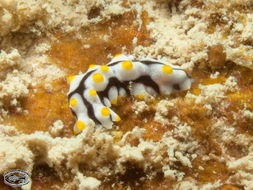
[[181, 33]]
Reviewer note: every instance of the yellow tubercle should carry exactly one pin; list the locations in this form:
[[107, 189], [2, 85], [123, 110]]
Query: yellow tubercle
[[80, 125], [105, 112], [92, 66], [114, 101], [70, 78], [167, 69], [73, 102], [92, 92], [140, 96], [104, 68], [117, 55], [127, 65], [117, 119], [97, 77]]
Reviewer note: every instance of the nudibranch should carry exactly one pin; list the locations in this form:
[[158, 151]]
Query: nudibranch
[[91, 94]]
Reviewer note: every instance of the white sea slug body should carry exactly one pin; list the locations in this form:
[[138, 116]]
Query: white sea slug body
[[92, 93]]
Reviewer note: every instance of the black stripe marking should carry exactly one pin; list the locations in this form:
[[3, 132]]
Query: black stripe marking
[[80, 89], [147, 81]]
